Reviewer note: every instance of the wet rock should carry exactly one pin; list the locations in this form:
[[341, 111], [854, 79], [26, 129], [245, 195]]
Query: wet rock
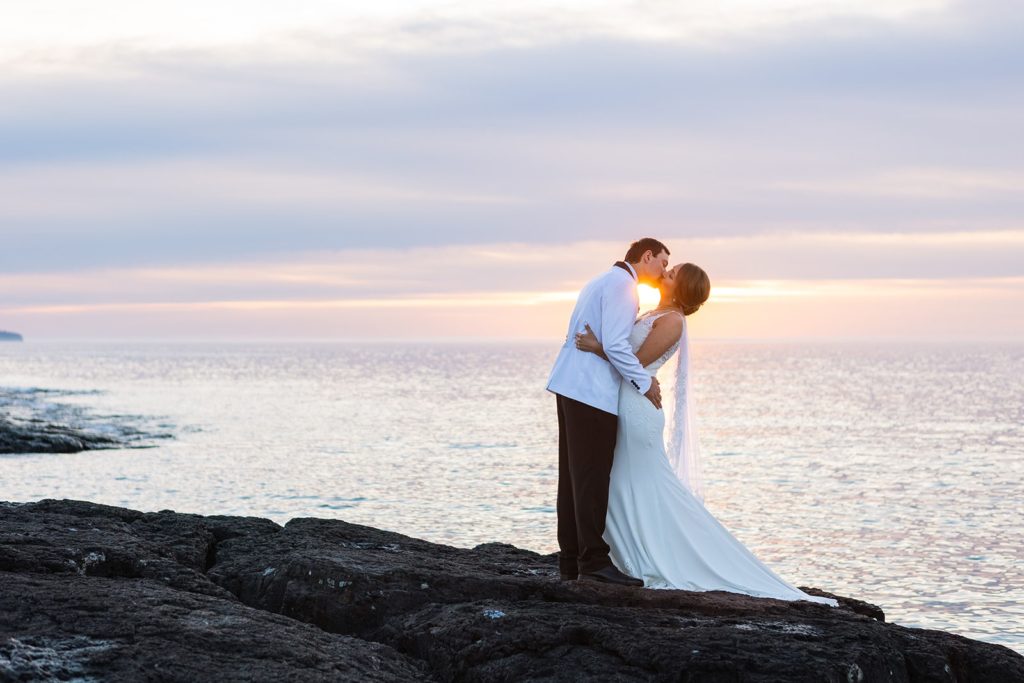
[[494, 612], [36, 420], [36, 436]]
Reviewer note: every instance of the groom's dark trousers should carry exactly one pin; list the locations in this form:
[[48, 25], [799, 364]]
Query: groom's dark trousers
[[586, 445]]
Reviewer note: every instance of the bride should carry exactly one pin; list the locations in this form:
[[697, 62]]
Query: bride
[[657, 526]]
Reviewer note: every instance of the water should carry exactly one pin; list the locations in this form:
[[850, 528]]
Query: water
[[889, 473]]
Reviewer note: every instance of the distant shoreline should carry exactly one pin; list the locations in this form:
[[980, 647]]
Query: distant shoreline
[[10, 336]]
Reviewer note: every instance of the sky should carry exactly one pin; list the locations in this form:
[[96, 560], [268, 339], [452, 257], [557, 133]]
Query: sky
[[224, 169]]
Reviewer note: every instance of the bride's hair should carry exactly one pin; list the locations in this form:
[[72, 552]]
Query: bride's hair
[[692, 288]]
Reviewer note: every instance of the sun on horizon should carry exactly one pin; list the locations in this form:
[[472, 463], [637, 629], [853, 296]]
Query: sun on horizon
[[649, 296]]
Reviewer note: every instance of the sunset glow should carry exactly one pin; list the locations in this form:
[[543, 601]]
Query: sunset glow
[[326, 171], [649, 296]]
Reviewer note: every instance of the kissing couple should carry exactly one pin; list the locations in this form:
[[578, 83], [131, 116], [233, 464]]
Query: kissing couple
[[630, 511]]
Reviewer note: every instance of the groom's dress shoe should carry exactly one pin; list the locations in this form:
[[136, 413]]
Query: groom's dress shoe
[[610, 574], [568, 577]]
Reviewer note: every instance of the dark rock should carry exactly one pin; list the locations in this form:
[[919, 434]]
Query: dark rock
[[86, 628], [42, 437], [92, 592], [492, 613], [35, 420]]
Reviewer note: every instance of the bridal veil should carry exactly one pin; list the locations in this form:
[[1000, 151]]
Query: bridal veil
[[683, 449]]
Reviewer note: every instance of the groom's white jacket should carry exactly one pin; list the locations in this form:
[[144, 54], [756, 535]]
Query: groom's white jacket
[[609, 304]]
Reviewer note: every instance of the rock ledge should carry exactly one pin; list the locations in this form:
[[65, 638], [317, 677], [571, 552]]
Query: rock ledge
[[93, 592]]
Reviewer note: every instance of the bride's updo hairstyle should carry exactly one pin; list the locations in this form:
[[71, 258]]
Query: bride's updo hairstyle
[[692, 288]]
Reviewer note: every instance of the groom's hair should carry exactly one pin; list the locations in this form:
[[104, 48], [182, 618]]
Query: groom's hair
[[637, 249]]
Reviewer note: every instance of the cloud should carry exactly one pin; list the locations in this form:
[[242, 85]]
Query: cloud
[[419, 25], [932, 311], [843, 121], [922, 183], [780, 286], [511, 272]]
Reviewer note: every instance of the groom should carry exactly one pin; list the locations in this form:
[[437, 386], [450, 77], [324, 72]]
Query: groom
[[586, 388]]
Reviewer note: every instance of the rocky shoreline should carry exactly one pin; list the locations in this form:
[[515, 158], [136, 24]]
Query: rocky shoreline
[[97, 593], [42, 437], [39, 421]]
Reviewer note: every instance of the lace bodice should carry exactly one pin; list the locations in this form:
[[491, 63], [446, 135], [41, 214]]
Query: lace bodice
[[641, 328]]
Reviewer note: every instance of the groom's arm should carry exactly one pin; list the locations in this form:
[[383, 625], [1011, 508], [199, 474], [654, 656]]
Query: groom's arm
[[617, 316]]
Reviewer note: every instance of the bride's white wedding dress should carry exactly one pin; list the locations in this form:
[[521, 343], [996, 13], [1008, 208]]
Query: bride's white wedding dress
[[657, 529]]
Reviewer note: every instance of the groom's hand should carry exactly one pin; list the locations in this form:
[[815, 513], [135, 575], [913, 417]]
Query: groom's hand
[[654, 393]]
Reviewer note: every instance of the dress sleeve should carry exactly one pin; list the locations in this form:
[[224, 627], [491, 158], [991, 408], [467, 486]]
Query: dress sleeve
[[618, 312]]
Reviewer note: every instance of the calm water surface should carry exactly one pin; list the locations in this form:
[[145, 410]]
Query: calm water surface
[[890, 473]]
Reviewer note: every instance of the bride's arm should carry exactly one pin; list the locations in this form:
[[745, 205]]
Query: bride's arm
[[664, 333], [587, 341]]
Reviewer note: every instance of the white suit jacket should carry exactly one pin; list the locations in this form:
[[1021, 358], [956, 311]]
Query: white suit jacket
[[609, 304]]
